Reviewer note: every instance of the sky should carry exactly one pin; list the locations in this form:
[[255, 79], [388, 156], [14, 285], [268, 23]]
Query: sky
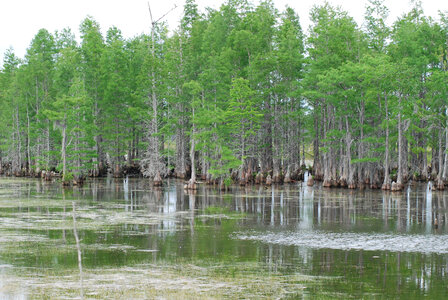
[[20, 20]]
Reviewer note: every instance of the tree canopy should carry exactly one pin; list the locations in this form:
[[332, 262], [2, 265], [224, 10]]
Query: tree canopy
[[238, 94]]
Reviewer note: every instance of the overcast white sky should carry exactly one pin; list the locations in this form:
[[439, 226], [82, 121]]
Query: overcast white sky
[[21, 19]]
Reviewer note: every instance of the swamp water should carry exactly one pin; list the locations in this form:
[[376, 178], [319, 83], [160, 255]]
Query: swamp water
[[289, 241]]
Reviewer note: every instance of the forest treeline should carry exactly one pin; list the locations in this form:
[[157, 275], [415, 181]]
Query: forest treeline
[[237, 94]]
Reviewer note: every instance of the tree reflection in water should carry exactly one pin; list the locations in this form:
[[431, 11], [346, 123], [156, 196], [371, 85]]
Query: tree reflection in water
[[368, 241]]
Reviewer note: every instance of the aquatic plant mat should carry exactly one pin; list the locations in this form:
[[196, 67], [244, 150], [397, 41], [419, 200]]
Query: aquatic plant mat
[[147, 281], [417, 243]]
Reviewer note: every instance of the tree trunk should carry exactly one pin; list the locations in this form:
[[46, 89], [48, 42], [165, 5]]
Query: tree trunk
[[154, 155], [293, 138], [78, 176], [242, 169], [18, 150], [276, 153], [28, 148], [63, 152], [48, 146], [96, 158], [181, 164], [266, 137], [425, 174], [317, 166], [181, 139], [445, 163], [387, 181], [192, 182], [351, 172], [399, 184], [440, 184], [361, 166], [327, 154]]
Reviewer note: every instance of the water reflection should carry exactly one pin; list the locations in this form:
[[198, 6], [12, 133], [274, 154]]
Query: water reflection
[[306, 211], [304, 207], [386, 239], [169, 208]]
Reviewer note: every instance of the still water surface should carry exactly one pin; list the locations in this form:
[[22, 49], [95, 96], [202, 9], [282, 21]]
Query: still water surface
[[287, 241]]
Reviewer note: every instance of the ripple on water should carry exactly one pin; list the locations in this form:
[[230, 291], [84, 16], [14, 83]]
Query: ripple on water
[[354, 241]]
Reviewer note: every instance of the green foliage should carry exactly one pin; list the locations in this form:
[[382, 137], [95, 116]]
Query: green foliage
[[68, 177], [225, 162], [365, 160], [232, 87]]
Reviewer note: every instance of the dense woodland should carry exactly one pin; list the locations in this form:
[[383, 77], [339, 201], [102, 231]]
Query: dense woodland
[[240, 94]]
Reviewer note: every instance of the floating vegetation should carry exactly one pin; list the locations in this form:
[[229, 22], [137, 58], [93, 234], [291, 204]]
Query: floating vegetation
[[8, 238], [148, 281], [90, 218], [354, 241]]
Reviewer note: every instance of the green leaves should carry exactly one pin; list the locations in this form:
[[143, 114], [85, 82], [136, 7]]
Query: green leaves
[[242, 115], [238, 90]]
